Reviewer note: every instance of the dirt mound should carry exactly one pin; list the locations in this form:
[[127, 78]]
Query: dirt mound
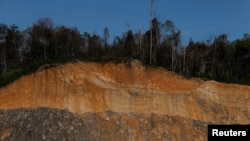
[[126, 88]]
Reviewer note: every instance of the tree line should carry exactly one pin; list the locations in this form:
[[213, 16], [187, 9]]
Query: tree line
[[219, 59]]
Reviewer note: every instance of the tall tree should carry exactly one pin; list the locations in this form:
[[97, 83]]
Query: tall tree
[[241, 56], [41, 35], [151, 32], [129, 48], [10, 43], [76, 43], [62, 42], [106, 37], [155, 39], [172, 35], [197, 56], [218, 56], [3, 36], [140, 44], [94, 46], [14, 42]]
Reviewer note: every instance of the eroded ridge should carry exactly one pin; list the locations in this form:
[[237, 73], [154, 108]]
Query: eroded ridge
[[84, 87]]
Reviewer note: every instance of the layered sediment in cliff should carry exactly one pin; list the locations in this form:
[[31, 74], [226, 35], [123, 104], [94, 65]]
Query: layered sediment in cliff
[[127, 88]]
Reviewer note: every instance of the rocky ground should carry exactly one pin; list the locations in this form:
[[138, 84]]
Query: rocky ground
[[46, 124]]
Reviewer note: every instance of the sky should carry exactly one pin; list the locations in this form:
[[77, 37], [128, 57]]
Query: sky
[[200, 20]]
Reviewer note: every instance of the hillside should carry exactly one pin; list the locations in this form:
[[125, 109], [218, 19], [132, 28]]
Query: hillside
[[117, 101]]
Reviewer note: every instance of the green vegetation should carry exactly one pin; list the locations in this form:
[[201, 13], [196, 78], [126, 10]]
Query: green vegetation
[[22, 52]]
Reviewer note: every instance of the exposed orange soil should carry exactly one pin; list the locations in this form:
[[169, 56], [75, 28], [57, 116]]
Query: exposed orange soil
[[128, 87]]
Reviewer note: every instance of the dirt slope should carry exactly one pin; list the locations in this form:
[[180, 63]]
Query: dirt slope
[[94, 89]]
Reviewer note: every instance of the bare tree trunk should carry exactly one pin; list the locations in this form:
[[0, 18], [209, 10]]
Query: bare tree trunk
[[4, 62], [184, 60], [202, 68], [140, 49], [151, 38], [156, 47], [172, 59], [151, 44]]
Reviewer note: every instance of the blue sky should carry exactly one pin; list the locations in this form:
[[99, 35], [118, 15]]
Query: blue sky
[[199, 19]]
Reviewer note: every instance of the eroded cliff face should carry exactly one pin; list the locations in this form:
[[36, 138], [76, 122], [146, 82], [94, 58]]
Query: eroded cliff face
[[126, 88]]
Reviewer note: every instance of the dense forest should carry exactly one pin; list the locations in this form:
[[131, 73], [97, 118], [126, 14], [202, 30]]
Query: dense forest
[[22, 52]]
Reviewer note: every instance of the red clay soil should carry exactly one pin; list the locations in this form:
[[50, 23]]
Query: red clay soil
[[124, 88]]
